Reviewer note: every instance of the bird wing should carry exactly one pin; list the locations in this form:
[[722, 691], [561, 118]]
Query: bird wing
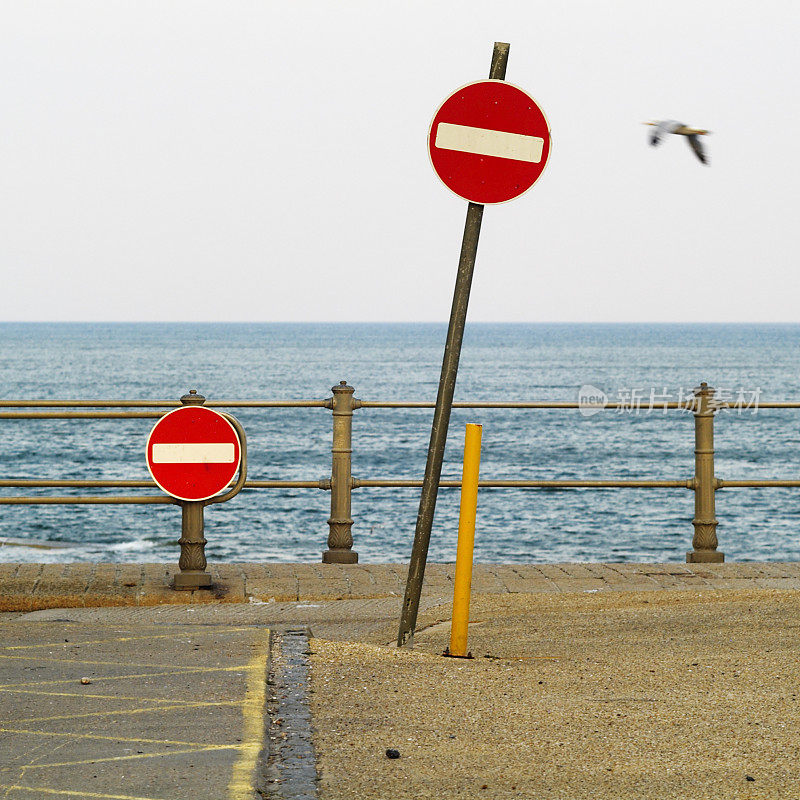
[[663, 127], [694, 143]]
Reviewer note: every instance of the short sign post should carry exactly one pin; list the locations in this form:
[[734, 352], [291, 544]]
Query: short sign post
[[462, 579], [193, 453], [489, 142]]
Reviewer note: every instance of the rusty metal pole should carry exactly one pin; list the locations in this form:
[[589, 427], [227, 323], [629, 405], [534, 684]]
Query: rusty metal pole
[[340, 537], [192, 561], [704, 542], [444, 399]]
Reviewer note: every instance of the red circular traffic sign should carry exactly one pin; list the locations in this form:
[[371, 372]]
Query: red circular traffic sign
[[489, 142], [193, 453]]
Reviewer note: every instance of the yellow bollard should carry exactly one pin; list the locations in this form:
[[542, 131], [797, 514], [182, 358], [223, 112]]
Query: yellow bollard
[[466, 541]]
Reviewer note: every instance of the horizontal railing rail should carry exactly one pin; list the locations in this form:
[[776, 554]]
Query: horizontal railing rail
[[526, 484], [704, 483], [163, 403], [687, 406], [533, 404]]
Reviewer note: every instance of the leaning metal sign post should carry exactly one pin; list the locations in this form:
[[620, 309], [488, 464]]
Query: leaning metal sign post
[[488, 142]]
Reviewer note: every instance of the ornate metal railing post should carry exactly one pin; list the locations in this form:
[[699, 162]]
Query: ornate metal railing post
[[192, 561], [704, 542], [340, 537]]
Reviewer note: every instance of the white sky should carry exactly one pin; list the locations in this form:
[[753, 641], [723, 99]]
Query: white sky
[[266, 161]]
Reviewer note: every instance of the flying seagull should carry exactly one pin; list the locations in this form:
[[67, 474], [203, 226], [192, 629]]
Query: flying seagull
[[666, 126]]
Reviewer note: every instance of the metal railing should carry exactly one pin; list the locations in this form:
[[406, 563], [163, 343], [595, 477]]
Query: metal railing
[[341, 483]]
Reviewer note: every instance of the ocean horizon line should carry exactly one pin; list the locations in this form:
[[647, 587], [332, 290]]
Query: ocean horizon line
[[341, 324]]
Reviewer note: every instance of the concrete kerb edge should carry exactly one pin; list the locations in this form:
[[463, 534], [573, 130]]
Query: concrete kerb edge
[[61, 589]]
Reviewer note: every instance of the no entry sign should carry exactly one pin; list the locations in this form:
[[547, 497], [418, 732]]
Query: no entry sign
[[489, 142], [193, 453]]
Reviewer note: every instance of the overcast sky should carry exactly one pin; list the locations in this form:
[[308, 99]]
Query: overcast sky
[[266, 161]]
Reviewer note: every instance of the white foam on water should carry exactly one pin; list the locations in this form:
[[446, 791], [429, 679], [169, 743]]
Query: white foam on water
[[135, 545]]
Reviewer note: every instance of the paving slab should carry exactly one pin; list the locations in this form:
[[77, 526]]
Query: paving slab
[[389, 578], [229, 582], [103, 583], [526, 581], [271, 582], [361, 582], [323, 581]]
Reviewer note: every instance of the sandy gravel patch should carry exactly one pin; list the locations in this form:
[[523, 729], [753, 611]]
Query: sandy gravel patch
[[623, 695]]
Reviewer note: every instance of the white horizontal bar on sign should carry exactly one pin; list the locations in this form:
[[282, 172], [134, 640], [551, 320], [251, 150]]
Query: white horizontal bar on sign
[[487, 142], [201, 453]]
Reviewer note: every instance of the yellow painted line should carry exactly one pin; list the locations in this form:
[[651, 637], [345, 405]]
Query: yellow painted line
[[124, 711], [76, 661], [119, 738], [138, 755], [177, 636], [98, 696], [173, 671], [241, 783], [76, 793]]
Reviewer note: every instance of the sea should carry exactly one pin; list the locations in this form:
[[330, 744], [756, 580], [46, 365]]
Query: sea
[[638, 365]]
